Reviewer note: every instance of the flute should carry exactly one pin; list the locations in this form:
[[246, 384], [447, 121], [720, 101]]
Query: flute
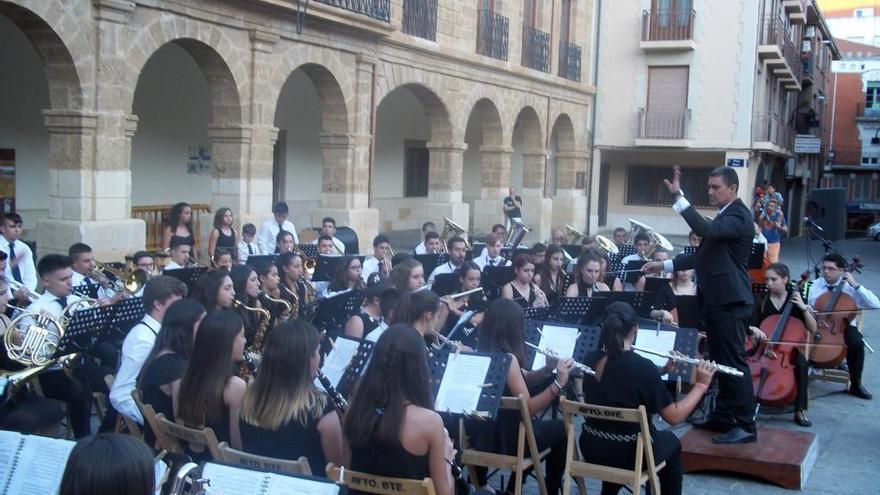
[[547, 352], [445, 341], [466, 293], [689, 360]]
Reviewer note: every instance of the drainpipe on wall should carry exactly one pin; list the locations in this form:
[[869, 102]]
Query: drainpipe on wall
[[592, 130]]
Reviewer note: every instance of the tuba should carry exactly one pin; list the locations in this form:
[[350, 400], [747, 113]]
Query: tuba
[[516, 234], [573, 234], [189, 481], [657, 240], [607, 245], [450, 230]]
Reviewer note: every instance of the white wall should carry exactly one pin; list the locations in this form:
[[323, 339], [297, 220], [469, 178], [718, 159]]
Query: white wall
[[24, 93], [400, 117], [173, 105], [299, 113]]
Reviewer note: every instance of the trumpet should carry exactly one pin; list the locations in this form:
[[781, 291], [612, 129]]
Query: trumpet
[[130, 282], [689, 360], [547, 352], [15, 286], [194, 263]]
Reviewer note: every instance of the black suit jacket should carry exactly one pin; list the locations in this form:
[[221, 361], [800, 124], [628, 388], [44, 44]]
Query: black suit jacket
[[721, 260]]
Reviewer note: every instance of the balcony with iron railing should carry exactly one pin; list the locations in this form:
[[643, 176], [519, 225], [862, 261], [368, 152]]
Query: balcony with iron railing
[[779, 54], [668, 29], [771, 133], [493, 31], [663, 127], [570, 61], [796, 10], [376, 9], [536, 49], [420, 18]]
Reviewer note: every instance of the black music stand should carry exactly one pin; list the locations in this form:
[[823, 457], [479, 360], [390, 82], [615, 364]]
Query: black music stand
[[686, 340], [430, 262], [624, 250], [573, 250], [544, 313], [90, 290], [127, 313], [759, 290], [325, 267], [494, 278], [495, 380], [756, 257], [572, 310], [310, 250], [259, 259], [445, 284], [187, 275], [478, 247], [633, 272], [689, 312], [642, 302], [587, 340], [615, 269], [356, 367], [86, 328], [654, 284], [689, 249], [333, 311]]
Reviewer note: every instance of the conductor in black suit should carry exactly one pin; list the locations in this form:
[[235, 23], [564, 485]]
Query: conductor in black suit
[[724, 293]]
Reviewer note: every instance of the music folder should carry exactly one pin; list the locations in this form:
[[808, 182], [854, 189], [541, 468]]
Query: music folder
[[345, 362], [468, 383], [227, 479], [31, 463], [568, 341], [662, 337]]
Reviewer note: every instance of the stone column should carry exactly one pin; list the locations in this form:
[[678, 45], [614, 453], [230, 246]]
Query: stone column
[[570, 201], [346, 177], [488, 210], [444, 183], [537, 210], [90, 157]]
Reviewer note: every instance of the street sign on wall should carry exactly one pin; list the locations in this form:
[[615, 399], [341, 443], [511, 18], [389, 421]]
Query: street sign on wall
[[807, 144]]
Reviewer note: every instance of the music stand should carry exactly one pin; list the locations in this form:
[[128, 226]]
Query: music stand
[[632, 271], [445, 284], [86, 328], [686, 340], [356, 367], [573, 250], [310, 250], [640, 301], [615, 269], [654, 284], [494, 278], [259, 259], [756, 257], [688, 312], [430, 261], [333, 311], [543, 313], [90, 290], [690, 249], [572, 310], [624, 250], [587, 340], [495, 381], [127, 313], [328, 265], [187, 275], [759, 290]]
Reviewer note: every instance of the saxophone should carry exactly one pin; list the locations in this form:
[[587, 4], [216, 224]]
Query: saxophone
[[294, 304], [248, 366], [286, 307]]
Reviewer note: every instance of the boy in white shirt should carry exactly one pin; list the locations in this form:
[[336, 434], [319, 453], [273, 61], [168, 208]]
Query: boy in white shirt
[[492, 256], [180, 251], [247, 246]]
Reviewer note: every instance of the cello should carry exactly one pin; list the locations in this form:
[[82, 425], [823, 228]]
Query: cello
[[771, 365], [836, 310]]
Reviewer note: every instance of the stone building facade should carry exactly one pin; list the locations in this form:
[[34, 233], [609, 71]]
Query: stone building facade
[[483, 113]]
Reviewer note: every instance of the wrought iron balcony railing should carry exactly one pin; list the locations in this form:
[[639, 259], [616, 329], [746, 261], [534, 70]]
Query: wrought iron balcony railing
[[668, 24], [536, 49], [664, 124], [492, 34], [377, 9], [420, 18], [570, 61]]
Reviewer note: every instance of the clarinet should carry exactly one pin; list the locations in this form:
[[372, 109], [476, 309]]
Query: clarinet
[[335, 396]]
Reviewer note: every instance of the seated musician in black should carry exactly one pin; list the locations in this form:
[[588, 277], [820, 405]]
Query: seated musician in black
[[390, 428], [502, 331], [773, 303], [586, 276], [283, 414], [469, 278], [550, 277], [164, 366], [625, 379], [370, 315], [522, 289], [682, 284]]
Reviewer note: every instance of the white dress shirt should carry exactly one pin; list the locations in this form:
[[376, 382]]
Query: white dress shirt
[[864, 298], [172, 265], [26, 266], [80, 279], [420, 248], [135, 349], [483, 261], [269, 231], [49, 304], [370, 266], [447, 267], [336, 242], [243, 252]]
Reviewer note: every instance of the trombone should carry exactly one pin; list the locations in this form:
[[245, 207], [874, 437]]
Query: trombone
[[194, 263], [128, 281]]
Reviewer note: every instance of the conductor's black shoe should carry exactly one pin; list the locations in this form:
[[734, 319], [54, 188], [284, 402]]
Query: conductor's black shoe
[[736, 435], [800, 417], [713, 424], [861, 392]]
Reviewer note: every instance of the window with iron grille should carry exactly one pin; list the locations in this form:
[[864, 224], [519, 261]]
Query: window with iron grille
[[644, 185]]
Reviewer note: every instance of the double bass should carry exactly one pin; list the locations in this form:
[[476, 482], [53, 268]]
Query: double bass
[[771, 365], [836, 311]]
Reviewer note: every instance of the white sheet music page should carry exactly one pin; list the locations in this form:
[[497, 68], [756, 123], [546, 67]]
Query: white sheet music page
[[227, 480], [662, 341], [462, 383], [561, 340], [9, 442], [41, 465], [289, 485], [344, 350]]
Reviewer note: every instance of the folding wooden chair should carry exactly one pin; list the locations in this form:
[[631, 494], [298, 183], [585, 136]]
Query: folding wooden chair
[[283, 466], [381, 485], [517, 464], [175, 433], [635, 477]]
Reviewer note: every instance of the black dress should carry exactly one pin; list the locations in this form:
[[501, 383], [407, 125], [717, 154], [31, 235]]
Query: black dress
[[226, 243], [161, 371], [629, 381], [183, 239], [289, 442], [368, 322], [522, 301], [801, 367], [388, 462], [665, 298]]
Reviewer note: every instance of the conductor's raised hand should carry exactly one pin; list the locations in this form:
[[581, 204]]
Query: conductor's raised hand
[[674, 187], [652, 267]]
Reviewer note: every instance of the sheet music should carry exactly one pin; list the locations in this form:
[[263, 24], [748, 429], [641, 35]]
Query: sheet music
[[561, 340], [290, 485], [337, 361], [662, 341], [159, 470], [226, 480], [462, 383], [40, 465], [9, 442]]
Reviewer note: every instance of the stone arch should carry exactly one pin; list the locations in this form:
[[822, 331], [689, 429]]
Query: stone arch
[[41, 25], [212, 51], [489, 120], [486, 167], [563, 133], [436, 110], [426, 87], [528, 124]]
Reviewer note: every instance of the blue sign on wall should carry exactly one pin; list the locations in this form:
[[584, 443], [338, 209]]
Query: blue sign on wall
[[736, 162]]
